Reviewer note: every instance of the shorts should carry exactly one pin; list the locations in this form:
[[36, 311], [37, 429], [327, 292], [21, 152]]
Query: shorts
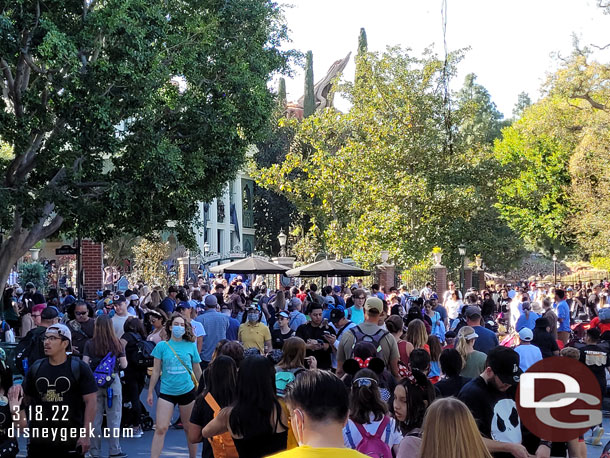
[[181, 399]]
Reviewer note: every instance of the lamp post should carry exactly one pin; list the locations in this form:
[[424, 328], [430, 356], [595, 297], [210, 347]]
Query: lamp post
[[282, 238], [462, 252], [554, 269]]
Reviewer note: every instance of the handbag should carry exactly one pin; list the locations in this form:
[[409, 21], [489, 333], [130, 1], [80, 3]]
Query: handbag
[[193, 378], [222, 444]]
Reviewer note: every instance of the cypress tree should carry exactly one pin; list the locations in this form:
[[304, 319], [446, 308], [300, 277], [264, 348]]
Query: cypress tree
[[309, 102], [362, 43], [281, 92], [361, 63]]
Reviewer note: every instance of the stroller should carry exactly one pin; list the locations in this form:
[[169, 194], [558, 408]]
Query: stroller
[[145, 419]]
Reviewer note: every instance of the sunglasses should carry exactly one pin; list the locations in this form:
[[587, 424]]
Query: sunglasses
[[359, 297], [364, 381], [81, 313]]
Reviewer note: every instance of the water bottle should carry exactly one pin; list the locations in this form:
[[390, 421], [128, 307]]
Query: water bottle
[[25, 365], [109, 393]]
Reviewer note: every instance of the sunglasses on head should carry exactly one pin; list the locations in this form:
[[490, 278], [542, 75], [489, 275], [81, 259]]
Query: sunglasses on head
[[364, 381]]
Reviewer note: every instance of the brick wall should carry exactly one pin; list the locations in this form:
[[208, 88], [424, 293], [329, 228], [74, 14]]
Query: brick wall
[[440, 281], [92, 258]]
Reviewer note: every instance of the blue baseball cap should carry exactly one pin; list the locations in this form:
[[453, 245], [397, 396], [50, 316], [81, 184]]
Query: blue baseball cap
[[183, 305]]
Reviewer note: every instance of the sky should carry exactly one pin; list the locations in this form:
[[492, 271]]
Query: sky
[[512, 43]]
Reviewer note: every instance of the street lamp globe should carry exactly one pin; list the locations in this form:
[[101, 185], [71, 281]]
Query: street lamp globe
[[462, 249], [282, 238], [554, 258], [206, 248]]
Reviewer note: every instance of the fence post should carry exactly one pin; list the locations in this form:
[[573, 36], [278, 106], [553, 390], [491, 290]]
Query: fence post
[[467, 278]]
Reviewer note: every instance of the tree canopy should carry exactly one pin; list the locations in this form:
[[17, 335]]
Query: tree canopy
[[120, 115], [380, 177]]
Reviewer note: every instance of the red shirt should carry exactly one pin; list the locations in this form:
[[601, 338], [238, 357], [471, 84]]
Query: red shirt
[[603, 327]]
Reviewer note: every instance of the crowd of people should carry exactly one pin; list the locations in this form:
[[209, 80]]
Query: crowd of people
[[300, 371]]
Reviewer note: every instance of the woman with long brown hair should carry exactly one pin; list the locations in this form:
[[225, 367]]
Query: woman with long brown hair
[[177, 364], [292, 363], [473, 361], [417, 335], [450, 430], [109, 399]]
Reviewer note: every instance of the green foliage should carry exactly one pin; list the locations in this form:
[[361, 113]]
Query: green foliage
[[601, 263], [523, 102], [376, 178], [33, 272], [149, 255], [363, 46], [104, 140], [480, 121], [309, 102], [281, 93]]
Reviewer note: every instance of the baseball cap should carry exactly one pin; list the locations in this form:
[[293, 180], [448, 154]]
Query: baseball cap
[[119, 298], [374, 303], [473, 311], [61, 330], [337, 289], [284, 314], [526, 334], [329, 300], [504, 362], [183, 305], [134, 297], [251, 308], [210, 301], [49, 313], [336, 315], [294, 303], [29, 285]]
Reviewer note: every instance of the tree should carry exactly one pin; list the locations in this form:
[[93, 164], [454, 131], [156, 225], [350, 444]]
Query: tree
[[149, 255], [481, 122], [309, 102], [122, 114], [281, 93], [363, 46], [523, 102], [376, 178]]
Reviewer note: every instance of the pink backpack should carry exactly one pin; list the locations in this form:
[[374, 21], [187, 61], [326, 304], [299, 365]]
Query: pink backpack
[[373, 445]]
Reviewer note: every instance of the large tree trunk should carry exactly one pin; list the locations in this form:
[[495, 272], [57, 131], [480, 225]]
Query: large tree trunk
[[21, 240]]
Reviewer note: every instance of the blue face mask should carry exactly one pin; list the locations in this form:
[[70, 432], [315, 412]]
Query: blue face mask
[[178, 331], [252, 317]]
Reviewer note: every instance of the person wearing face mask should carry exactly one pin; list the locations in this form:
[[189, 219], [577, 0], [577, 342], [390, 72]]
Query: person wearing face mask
[[318, 402], [176, 363], [254, 334]]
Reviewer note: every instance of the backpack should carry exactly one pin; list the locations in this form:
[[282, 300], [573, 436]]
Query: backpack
[[604, 315], [222, 444], [31, 348], [139, 351], [375, 339], [104, 370], [74, 367], [283, 379], [403, 361], [372, 444]]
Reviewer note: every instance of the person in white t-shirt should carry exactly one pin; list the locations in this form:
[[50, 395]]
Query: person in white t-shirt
[[188, 313], [529, 354]]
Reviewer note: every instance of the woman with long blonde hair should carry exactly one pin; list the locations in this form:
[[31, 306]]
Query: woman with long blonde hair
[[450, 430], [417, 335], [473, 361]]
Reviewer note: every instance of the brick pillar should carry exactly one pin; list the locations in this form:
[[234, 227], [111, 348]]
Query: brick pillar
[[386, 275], [481, 274], [467, 278], [92, 259], [440, 280]]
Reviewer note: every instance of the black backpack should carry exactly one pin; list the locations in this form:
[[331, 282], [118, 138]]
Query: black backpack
[[30, 347], [375, 339], [139, 351]]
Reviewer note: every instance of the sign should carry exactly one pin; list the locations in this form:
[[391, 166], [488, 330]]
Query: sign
[[66, 249], [559, 399], [237, 255], [122, 284]]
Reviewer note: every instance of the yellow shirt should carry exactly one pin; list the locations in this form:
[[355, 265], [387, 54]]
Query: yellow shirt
[[305, 451], [254, 335]]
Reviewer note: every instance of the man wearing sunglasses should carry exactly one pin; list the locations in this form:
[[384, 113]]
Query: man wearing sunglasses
[[81, 327]]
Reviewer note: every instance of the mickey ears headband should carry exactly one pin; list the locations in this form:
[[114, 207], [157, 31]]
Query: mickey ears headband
[[353, 365]]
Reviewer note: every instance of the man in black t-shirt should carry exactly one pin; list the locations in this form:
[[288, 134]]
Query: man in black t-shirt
[[61, 393], [318, 339], [451, 366], [490, 398]]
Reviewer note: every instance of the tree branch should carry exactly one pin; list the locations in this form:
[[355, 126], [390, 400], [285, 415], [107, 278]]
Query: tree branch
[[593, 103], [8, 75]]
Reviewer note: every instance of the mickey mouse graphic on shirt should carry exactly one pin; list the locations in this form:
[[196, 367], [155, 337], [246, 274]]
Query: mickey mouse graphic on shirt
[[53, 392]]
